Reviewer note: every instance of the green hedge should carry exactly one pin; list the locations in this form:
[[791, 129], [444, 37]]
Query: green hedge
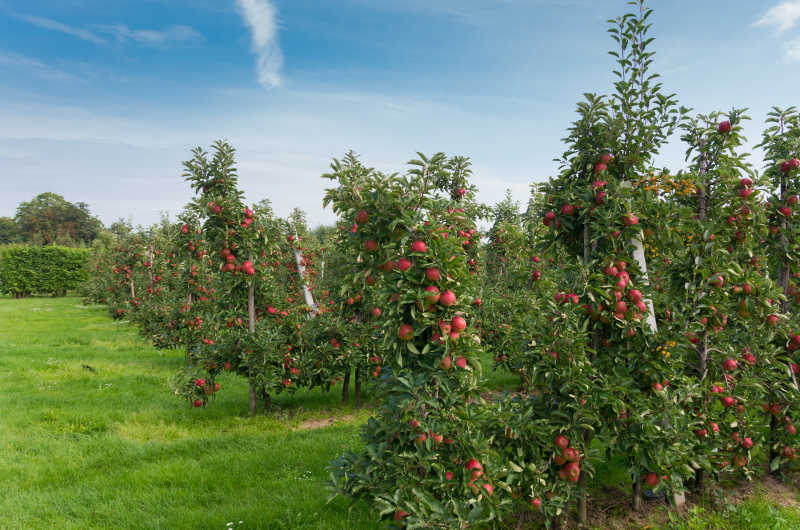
[[26, 270]]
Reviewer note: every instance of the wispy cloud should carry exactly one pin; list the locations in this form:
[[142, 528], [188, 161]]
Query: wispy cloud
[[118, 32], [261, 17], [34, 67], [54, 25], [152, 37], [783, 16]]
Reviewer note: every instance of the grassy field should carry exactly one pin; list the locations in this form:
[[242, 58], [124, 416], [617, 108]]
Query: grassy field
[[91, 437], [111, 447]]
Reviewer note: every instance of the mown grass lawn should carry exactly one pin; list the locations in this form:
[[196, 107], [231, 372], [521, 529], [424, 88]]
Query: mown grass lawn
[[111, 447], [92, 437]]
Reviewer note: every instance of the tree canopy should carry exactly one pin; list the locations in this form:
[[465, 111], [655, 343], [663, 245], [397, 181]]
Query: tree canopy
[[9, 231], [48, 218]]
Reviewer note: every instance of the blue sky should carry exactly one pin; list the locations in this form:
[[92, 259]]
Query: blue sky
[[100, 101]]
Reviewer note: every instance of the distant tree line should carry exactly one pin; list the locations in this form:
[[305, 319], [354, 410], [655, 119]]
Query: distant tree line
[[49, 219]]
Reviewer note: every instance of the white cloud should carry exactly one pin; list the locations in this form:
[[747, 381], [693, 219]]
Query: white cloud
[[120, 32], [34, 67], [47, 23], [261, 17], [784, 16], [152, 37]]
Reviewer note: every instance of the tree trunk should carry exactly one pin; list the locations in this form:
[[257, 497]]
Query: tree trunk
[[150, 257], [358, 387], [346, 386], [582, 498], [786, 270], [188, 346], [637, 495], [251, 328], [700, 481], [252, 399], [702, 346], [773, 427]]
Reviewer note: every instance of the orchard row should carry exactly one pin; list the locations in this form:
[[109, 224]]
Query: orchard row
[[651, 316]]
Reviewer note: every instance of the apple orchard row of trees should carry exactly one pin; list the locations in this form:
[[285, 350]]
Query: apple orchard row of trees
[[651, 315]]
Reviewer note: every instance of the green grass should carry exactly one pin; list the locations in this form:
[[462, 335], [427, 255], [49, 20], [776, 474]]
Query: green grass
[[113, 448]]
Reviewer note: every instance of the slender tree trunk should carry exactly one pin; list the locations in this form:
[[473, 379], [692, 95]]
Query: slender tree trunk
[[252, 392], [786, 271], [346, 386], [773, 427], [700, 481], [150, 257], [582, 498], [702, 345], [637, 495], [188, 346], [582, 501], [251, 328], [358, 387]]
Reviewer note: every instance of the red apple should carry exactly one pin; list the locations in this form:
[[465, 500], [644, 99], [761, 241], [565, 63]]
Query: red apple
[[629, 219], [419, 246], [724, 127], [573, 471], [405, 332], [448, 298], [571, 455], [473, 464], [729, 365], [433, 274], [432, 294]]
